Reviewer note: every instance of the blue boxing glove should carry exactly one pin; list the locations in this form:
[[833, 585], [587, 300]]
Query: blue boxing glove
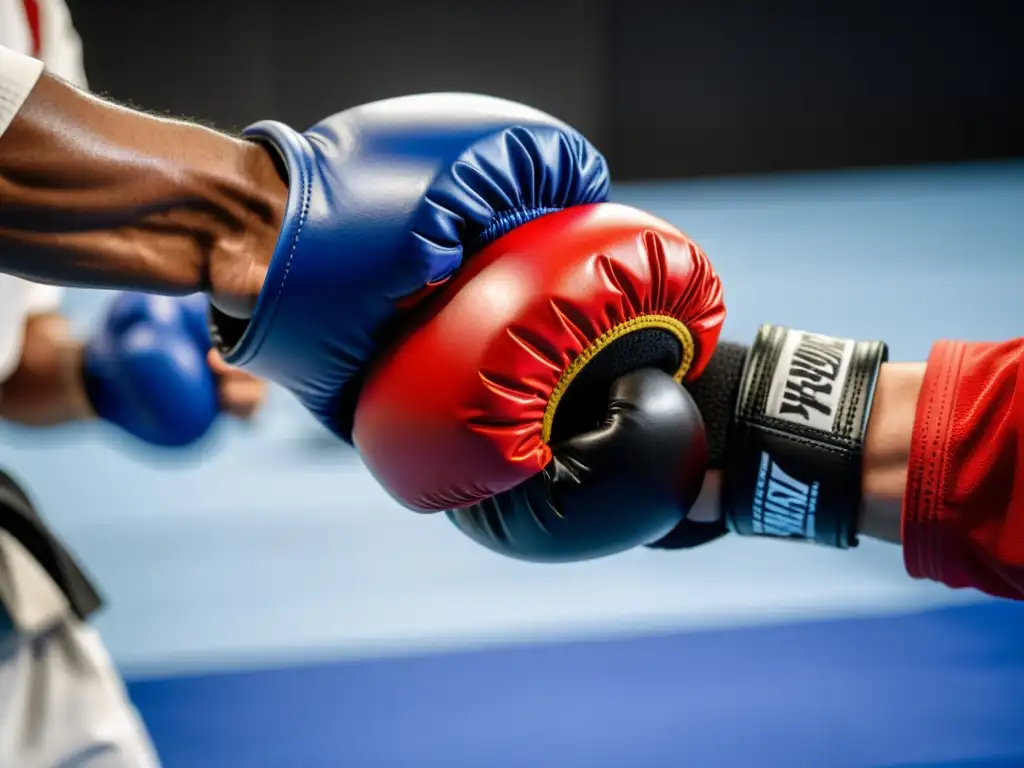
[[386, 200], [146, 369]]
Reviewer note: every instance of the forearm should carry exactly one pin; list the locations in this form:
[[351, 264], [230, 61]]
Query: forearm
[[95, 194], [47, 388], [887, 449]]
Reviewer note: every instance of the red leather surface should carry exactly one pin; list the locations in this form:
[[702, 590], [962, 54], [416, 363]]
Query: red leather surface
[[452, 413]]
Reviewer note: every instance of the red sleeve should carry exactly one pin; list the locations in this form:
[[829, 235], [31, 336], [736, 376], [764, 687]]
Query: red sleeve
[[963, 510]]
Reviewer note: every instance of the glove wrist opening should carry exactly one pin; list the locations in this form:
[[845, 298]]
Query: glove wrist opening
[[580, 403], [225, 331]]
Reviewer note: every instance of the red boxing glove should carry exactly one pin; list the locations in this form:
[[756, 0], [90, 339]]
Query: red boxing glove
[[520, 352]]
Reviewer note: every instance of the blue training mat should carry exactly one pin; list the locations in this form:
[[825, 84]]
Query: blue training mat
[[938, 688]]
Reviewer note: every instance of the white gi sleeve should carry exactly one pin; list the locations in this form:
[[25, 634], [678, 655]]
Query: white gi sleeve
[[18, 76]]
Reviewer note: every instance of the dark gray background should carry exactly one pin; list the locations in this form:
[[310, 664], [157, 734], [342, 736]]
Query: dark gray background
[[666, 89]]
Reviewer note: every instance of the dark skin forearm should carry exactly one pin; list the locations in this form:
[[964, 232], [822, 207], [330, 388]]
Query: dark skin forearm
[[886, 456], [94, 194]]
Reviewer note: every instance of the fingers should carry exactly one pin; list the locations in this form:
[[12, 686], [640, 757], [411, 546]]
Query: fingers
[[217, 364], [241, 397], [241, 394]]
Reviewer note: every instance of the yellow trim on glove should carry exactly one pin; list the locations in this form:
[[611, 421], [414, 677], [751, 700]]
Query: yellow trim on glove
[[664, 322]]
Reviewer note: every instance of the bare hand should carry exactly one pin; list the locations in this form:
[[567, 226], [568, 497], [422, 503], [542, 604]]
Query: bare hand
[[241, 394]]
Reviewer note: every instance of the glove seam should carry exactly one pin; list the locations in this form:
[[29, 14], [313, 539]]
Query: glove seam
[[259, 335]]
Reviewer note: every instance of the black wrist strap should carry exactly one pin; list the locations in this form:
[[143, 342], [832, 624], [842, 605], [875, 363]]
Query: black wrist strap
[[793, 466]]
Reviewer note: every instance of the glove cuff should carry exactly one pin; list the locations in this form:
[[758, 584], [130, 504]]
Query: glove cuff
[[239, 340], [795, 450], [785, 421]]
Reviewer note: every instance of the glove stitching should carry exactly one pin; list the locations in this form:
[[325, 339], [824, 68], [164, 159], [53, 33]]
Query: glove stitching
[[764, 357], [827, 440], [504, 222], [307, 194], [853, 395]]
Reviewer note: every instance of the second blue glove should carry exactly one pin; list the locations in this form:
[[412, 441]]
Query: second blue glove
[[146, 369]]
